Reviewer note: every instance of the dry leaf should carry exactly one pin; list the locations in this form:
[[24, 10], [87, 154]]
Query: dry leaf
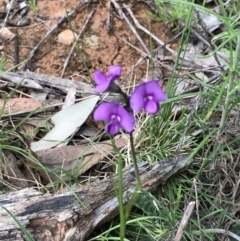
[[70, 98], [11, 171], [72, 158], [66, 122], [16, 105], [28, 130]]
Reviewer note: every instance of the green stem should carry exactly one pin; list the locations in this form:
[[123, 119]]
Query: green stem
[[119, 192], [139, 183], [120, 199], [130, 204]]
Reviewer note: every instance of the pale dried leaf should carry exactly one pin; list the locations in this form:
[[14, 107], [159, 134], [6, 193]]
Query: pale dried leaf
[[183, 85], [66, 122], [39, 95], [39, 122], [16, 105], [193, 58], [11, 171], [210, 21], [70, 98], [75, 159], [202, 76], [28, 130]]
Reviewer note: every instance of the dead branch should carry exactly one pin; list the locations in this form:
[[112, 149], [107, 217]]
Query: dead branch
[[62, 217], [184, 221], [139, 26], [38, 81], [117, 6]]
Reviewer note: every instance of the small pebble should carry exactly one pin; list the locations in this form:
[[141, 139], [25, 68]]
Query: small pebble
[[66, 37], [5, 34]]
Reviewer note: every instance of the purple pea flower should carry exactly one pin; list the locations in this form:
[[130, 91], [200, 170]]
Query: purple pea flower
[[116, 116], [146, 96], [104, 81]]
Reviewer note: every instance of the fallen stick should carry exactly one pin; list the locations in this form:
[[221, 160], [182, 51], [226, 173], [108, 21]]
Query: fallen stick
[[122, 14], [186, 216], [37, 81], [139, 26], [63, 217]]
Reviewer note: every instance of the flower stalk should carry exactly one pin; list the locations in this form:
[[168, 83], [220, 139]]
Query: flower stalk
[[139, 183]]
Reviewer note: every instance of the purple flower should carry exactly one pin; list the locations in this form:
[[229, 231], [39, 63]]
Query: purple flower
[[104, 81], [146, 96], [116, 116]]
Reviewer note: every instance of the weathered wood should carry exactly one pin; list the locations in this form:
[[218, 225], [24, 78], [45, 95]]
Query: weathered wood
[[38, 81], [59, 217]]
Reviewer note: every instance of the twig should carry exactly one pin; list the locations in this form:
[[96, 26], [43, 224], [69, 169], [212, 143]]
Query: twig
[[16, 52], [130, 25], [200, 22], [131, 70], [109, 19], [42, 55], [134, 47], [139, 26], [8, 12], [184, 221], [143, 54], [40, 110], [200, 37], [118, 8], [75, 42], [197, 208], [59, 22]]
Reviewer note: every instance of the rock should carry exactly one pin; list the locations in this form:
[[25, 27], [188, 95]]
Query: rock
[[92, 41], [67, 37], [5, 34]]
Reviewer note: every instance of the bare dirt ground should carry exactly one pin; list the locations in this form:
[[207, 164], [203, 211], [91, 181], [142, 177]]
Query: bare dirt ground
[[101, 47]]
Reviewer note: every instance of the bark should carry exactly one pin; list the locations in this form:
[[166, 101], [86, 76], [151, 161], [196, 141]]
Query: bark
[[55, 217], [42, 82]]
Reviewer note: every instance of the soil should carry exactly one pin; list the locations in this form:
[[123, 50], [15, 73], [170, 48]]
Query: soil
[[99, 46]]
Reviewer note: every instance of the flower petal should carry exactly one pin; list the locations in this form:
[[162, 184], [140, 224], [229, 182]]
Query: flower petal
[[112, 128], [99, 77], [101, 81], [137, 98], [114, 72], [153, 88], [127, 120], [104, 111], [103, 87], [151, 107]]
